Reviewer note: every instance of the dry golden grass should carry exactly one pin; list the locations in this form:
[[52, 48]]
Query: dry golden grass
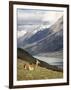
[[39, 73]]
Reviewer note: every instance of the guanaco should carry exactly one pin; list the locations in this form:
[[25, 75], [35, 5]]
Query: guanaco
[[32, 66]]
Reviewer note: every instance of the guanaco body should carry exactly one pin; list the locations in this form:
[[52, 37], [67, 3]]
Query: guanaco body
[[32, 66]]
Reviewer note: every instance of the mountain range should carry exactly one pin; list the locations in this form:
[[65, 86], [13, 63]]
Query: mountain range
[[44, 40]]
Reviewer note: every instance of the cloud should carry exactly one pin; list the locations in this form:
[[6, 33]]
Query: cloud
[[30, 17], [37, 16]]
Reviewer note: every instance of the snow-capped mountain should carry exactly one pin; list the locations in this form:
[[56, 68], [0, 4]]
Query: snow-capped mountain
[[27, 31], [43, 39], [48, 40]]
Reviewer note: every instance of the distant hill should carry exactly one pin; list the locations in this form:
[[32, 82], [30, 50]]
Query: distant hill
[[25, 55], [22, 54]]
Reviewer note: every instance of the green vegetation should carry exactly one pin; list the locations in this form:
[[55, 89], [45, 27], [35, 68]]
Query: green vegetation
[[39, 73]]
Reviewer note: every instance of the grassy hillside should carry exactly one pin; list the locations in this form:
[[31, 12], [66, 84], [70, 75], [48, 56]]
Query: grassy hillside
[[25, 56], [39, 73], [43, 71]]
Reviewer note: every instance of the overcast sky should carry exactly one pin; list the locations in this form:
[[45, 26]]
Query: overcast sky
[[29, 16]]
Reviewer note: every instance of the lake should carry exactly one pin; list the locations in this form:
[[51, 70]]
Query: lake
[[51, 60]]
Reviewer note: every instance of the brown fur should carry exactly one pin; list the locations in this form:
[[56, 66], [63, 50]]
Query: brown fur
[[32, 66]]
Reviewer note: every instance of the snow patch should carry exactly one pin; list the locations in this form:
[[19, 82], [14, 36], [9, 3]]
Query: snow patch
[[21, 33]]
